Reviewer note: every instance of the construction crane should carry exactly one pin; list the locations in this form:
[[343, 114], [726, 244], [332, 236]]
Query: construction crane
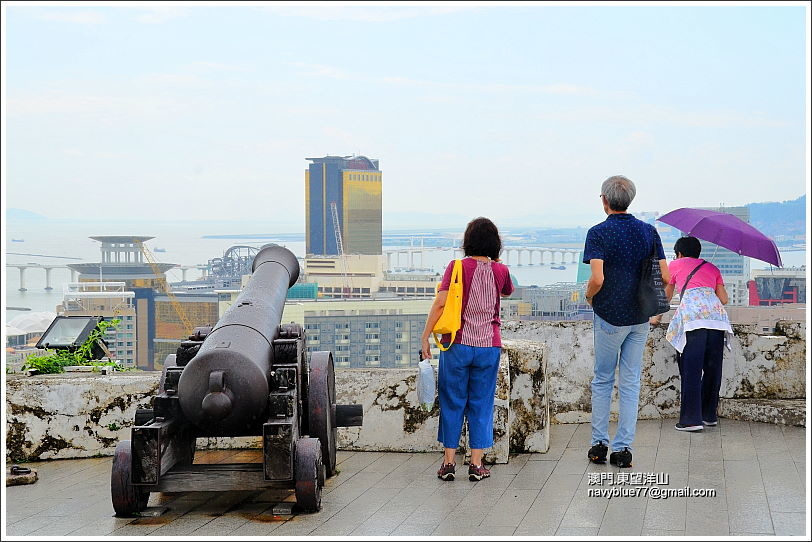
[[188, 327], [340, 245]]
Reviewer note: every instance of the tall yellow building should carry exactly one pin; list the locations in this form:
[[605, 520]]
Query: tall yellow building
[[353, 184]]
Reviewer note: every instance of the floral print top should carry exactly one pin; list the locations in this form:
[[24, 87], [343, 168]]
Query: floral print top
[[699, 308]]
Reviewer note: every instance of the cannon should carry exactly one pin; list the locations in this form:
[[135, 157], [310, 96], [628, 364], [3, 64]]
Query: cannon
[[249, 375]]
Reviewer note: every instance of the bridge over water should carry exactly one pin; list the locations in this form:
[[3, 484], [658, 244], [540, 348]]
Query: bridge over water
[[23, 267], [511, 255]]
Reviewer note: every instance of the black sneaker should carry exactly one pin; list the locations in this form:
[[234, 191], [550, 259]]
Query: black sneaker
[[710, 424], [681, 427], [597, 454], [622, 459]]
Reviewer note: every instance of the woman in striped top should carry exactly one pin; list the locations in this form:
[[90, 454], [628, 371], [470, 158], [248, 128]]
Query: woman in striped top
[[467, 373]]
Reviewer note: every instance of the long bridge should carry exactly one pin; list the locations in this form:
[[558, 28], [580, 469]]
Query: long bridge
[[510, 255], [22, 267]]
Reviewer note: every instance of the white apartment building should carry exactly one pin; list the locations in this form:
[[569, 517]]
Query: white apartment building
[[112, 301]]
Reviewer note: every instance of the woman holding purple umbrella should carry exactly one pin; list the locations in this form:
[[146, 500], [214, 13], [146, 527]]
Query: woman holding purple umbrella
[[698, 332]]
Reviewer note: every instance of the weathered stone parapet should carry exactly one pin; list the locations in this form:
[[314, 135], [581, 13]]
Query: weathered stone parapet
[[778, 411], [70, 415], [544, 377], [529, 411], [394, 421], [758, 366], [766, 365]]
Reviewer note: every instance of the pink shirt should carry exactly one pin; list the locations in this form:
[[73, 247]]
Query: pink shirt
[[708, 275], [481, 323]]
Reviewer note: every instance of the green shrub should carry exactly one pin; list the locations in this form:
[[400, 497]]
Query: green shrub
[[56, 361]]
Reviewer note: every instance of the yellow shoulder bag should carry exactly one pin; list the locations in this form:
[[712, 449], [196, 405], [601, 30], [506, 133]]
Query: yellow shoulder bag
[[451, 319]]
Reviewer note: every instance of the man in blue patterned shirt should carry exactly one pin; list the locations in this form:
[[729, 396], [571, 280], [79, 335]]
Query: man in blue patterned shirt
[[615, 250]]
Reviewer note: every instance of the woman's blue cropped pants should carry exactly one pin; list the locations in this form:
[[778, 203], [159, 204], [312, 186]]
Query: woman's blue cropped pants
[[467, 383]]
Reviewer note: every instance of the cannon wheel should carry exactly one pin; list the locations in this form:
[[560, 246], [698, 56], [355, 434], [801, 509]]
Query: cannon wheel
[[321, 395], [309, 475], [128, 499]]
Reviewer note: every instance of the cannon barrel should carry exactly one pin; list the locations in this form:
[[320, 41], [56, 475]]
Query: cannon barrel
[[224, 388]]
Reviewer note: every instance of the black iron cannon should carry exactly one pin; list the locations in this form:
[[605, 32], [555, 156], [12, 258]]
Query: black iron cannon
[[246, 376]]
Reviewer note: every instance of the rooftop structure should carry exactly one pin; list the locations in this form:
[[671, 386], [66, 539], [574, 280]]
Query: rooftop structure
[[777, 286], [121, 260]]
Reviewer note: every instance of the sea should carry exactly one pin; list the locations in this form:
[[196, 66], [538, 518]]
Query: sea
[[189, 243]]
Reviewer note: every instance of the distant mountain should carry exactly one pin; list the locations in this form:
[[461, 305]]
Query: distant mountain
[[22, 214], [784, 218]]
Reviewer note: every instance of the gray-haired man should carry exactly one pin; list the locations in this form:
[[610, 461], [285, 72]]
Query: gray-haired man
[[615, 249]]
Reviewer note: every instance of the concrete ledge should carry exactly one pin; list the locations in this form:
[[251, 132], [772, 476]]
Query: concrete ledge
[[73, 414], [777, 411], [544, 377], [84, 415], [758, 366]]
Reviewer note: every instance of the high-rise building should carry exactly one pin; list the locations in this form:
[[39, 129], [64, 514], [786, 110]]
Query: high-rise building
[[353, 184]]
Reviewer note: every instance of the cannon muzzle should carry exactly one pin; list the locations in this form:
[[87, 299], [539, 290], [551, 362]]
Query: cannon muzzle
[[224, 389]]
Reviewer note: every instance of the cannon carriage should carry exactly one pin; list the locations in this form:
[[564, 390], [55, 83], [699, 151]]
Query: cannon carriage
[[249, 375]]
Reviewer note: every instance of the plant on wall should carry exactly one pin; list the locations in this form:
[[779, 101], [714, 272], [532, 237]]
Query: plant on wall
[[56, 361]]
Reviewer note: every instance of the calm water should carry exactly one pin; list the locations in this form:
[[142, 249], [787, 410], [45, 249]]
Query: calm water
[[184, 245]]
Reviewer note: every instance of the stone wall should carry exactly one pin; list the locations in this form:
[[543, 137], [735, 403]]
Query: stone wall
[[545, 375], [758, 366], [72, 415]]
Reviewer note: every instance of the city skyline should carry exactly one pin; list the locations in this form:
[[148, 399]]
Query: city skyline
[[189, 112]]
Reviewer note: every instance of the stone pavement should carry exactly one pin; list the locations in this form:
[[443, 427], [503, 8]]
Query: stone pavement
[[757, 470]]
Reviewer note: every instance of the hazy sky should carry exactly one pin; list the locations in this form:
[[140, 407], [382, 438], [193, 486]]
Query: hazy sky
[[516, 112]]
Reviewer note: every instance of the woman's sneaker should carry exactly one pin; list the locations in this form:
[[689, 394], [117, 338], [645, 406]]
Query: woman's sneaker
[[446, 471], [709, 424], [476, 474], [681, 427]]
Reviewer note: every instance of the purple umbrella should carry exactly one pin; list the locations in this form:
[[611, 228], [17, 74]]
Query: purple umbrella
[[726, 231]]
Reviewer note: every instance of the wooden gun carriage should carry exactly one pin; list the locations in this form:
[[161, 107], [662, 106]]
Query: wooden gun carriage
[[248, 375]]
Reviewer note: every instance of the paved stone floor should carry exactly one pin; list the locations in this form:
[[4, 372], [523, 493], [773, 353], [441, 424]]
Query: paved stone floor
[[757, 470]]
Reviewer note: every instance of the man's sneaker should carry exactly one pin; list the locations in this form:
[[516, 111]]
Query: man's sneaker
[[476, 474], [597, 454], [446, 471], [681, 427], [709, 424], [622, 459]]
